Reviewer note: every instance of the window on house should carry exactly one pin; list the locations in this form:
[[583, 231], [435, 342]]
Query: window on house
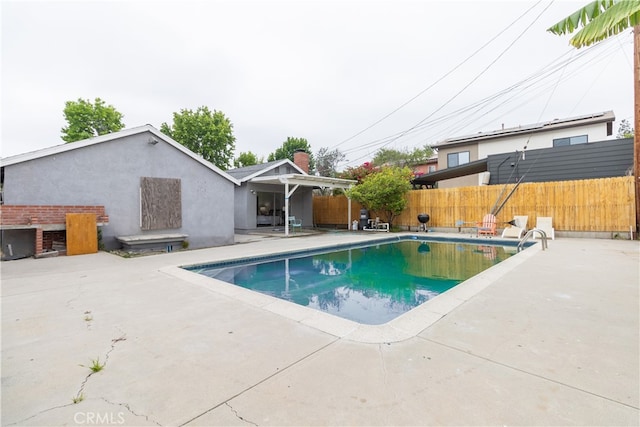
[[572, 140], [457, 159], [431, 168]]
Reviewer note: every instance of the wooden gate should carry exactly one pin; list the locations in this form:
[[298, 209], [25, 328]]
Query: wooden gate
[[82, 233]]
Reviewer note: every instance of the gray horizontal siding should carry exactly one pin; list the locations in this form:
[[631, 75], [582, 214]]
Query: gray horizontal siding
[[585, 161]]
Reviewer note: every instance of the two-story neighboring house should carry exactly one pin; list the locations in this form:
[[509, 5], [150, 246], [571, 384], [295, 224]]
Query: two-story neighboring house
[[470, 150], [430, 166]]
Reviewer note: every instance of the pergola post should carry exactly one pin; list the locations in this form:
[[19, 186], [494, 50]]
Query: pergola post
[[636, 114], [349, 213], [287, 195], [286, 208]]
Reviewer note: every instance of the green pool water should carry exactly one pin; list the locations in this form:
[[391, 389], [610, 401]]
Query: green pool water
[[370, 284]]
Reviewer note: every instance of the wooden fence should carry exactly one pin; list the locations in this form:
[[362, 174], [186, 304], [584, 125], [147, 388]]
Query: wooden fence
[[593, 205]]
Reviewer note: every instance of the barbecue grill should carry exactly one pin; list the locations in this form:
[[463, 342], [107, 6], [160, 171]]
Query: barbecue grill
[[423, 218]]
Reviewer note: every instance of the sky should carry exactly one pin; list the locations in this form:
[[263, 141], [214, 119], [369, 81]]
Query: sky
[[351, 75]]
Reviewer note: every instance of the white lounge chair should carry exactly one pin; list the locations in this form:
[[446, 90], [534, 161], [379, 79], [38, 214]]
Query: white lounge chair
[[545, 223], [518, 229]]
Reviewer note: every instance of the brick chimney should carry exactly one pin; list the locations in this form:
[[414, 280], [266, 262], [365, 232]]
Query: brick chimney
[[301, 159]]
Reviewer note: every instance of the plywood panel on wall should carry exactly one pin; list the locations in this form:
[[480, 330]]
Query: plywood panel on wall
[[160, 203], [82, 233]]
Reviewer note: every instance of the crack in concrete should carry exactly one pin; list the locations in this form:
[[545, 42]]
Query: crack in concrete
[[384, 367], [128, 408], [238, 415], [88, 318], [80, 292], [114, 341], [527, 372], [44, 411], [79, 396], [268, 377]]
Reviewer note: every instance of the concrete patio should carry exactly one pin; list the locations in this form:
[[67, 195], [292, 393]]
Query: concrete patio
[[544, 338]]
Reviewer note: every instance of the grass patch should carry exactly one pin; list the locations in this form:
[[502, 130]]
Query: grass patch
[[95, 366]]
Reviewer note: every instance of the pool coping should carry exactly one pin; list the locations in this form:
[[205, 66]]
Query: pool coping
[[403, 327]]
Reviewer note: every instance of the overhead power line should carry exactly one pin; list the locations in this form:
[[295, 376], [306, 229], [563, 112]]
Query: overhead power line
[[467, 59], [516, 92], [475, 78]]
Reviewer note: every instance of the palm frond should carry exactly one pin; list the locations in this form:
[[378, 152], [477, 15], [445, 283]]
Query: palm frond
[[614, 20], [599, 19], [581, 17]]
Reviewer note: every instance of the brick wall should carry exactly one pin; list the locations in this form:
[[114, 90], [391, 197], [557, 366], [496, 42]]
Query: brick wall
[[49, 238], [39, 215], [43, 214], [301, 159], [39, 241]]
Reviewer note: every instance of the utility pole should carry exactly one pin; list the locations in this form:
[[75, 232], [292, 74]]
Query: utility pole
[[636, 133]]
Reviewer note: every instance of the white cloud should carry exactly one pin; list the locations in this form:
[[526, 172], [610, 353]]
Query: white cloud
[[313, 69]]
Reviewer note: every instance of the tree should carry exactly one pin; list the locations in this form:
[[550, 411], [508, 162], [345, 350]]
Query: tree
[[327, 161], [403, 157], [625, 130], [359, 173], [290, 146], [389, 157], [86, 119], [246, 159], [599, 20], [384, 192], [205, 133], [420, 155]]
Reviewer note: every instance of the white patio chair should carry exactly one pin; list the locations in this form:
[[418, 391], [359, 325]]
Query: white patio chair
[[518, 229], [545, 223], [294, 223]]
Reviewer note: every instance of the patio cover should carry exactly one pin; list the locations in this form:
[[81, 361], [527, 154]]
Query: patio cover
[[453, 172], [293, 181]]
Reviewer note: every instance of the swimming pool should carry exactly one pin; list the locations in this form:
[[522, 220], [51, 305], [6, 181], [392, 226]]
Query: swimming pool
[[369, 283]]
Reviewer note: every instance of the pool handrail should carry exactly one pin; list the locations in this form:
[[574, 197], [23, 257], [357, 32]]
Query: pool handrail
[[543, 235]]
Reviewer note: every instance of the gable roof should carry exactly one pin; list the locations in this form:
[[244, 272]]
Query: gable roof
[[248, 172], [555, 124], [63, 148], [252, 173]]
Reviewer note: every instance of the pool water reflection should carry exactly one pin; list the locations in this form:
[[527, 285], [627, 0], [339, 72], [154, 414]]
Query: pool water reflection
[[367, 284]]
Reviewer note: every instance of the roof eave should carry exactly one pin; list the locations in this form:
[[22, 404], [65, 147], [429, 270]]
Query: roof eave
[[63, 148], [471, 168], [271, 167], [596, 118], [306, 180]]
